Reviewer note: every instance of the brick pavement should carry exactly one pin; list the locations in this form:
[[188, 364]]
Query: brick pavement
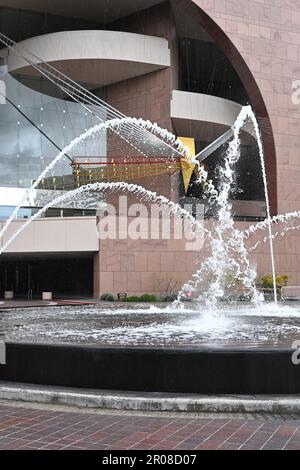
[[27, 427]]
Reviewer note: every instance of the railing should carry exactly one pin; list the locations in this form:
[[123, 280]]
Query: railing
[[26, 213]]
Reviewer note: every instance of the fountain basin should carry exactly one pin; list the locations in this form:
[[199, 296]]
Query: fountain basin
[[236, 351], [171, 370]]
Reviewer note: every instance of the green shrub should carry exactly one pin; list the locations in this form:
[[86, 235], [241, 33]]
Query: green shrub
[[267, 281], [282, 280], [148, 298], [142, 298], [132, 298], [107, 298], [170, 298]]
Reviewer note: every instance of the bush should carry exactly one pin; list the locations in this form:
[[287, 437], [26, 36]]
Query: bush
[[132, 298], [107, 298], [148, 298], [283, 280], [267, 281], [170, 298], [142, 298]]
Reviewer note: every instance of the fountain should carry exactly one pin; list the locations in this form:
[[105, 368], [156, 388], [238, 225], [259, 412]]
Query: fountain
[[232, 347]]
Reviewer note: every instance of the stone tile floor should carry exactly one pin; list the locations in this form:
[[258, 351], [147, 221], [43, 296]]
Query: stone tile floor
[[29, 426]]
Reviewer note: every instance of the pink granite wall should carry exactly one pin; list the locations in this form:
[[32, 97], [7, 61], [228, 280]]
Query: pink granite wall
[[161, 267], [267, 36], [155, 266], [262, 39], [136, 267]]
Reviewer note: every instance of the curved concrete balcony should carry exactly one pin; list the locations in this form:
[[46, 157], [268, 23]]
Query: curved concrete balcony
[[93, 10], [202, 115], [97, 58]]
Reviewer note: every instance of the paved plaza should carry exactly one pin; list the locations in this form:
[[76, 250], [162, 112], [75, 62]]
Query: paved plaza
[[28, 426]]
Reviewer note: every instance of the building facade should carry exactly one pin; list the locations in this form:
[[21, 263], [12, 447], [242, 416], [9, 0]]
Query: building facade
[[188, 65]]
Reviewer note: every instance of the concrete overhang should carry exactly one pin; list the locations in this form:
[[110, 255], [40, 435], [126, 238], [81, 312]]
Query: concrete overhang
[[71, 234], [102, 11], [95, 57], [204, 116]]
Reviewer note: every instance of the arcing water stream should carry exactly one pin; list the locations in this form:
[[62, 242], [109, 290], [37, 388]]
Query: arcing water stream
[[229, 254], [91, 133], [227, 239], [149, 196]]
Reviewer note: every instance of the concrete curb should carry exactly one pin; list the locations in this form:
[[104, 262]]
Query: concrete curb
[[135, 401]]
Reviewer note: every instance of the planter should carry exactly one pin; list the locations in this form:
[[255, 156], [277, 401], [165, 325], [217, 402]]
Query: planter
[[47, 295], [9, 294]]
